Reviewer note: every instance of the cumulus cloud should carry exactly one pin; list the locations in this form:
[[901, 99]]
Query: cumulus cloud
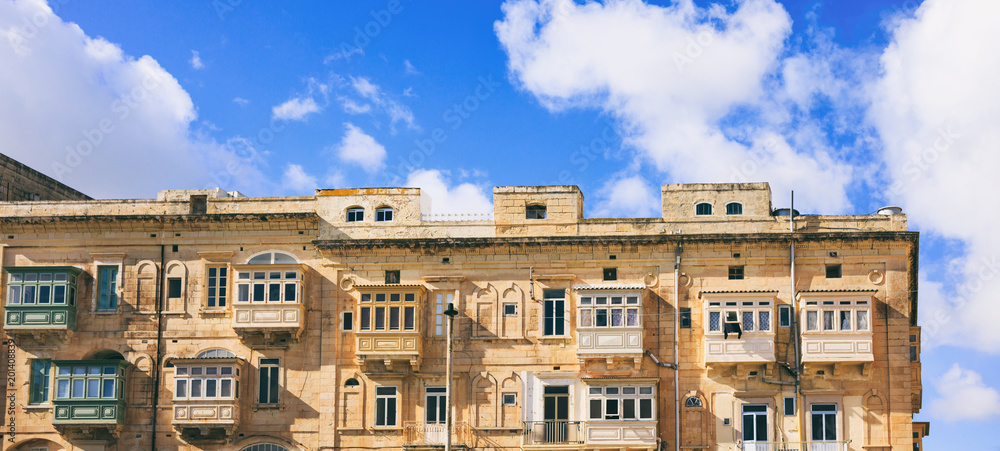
[[196, 60], [295, 109], [241, 101], [378, 100], [936, 106], [674, 76], [630, 196], [964, 396], [297, 180], [115, 125], [361, 149], [448, 197]]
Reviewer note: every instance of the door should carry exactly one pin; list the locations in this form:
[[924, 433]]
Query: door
[[435, 432], [556, 414], [755, 427], [824, 427]]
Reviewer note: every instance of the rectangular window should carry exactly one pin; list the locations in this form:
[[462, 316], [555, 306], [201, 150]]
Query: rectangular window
[[554, 322], [784, 316], [173, 287], [685, 317], [409, 318], [443, 299], [436, 406], [510, 399], [366, 318], [735, 273], [87, 382], [107, 285], [824, 422], [209, 382], [379, 318], [347, 321], [789, 407], [833, 271], [509, 309], [385, 406], [393, 318], [267, 382], [828, 316], [812, 321], [862, 320], [714, 321], [620, 403], [845, 320], [913, 353], [392, 277], [39, 385], [610, 274]]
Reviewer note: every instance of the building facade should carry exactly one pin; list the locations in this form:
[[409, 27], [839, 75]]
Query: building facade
[[208, 320]]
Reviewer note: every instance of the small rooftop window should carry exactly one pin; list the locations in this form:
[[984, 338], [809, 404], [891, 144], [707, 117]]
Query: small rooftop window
[[534, 212], [383, 214], [703, 209], [734, 208], [355, 214]]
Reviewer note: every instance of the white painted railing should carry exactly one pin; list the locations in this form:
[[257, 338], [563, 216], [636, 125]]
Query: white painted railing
[[794, 446]]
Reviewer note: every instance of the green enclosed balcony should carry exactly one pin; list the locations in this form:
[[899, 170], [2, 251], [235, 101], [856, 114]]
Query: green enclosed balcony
[[41, 299], [89, 393]]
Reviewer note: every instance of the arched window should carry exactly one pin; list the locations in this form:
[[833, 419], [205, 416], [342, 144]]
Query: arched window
[[265, 447], [703, 209], [383, 214], [216, 354], [272, 258], [352, 382], [534, 212], [734, 208], [693, 401], [355, 214]]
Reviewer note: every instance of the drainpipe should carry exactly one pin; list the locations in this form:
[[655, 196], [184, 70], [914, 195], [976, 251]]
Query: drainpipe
[[677, 388], [159, 345], [795, 323]]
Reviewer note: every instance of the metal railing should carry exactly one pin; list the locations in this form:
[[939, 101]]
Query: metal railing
[[794, 446], [457, 217], [416, 433], [552, 432]]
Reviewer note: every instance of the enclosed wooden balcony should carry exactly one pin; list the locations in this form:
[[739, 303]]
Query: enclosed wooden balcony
[[41, 301], [269, 301], [836, 327], [389, 324], [206, 402], [609, 322], [739, 327], [89, 394]]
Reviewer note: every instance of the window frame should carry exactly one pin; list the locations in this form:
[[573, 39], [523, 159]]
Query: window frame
[[721, 308], [822, 307], [734, 203], [17, 280], [834, 271], [66, 372], [591, 305], [186, 373], [217, 286], [384, 401], [535, 211], [699, 211], [737, 272], [247, 283], [559, 314], [39, 381], [273, 389], [377, 307], [107, 287], [784, 319], [611, 400], [384, 214], [354, 214]]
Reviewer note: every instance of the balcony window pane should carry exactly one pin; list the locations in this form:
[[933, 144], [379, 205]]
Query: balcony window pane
[[845, 320], [210, 387], [212, 370], [828, 318], [747, 321], [109, 388], [182, 371], [602, 317], [109, 370], [616, 300], [290, 292], [366, 318], [714, 320], [765, 320], [274, 292], [632, 300], [78, 385], [226, 388], [628, 409], [258, 292], [611, 406], [44, 293], [62, 388], [585, 300], [393, 318], [181, 391], [226, 371], [394, 297], [601, 300], [274, 275], [197, 371], [15, 295], [812, 320], [60, 294], [29, 294], [616, 317], [862, 320], [94, 370], [645, 409], [379, 318], [586, 317], [633, 317], [595, 409], [93, 388], [196, 388], [243, 292], [408, 318]]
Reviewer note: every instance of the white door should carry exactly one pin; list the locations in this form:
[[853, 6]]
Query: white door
[[755, 427], [824, 427], [435, 432]]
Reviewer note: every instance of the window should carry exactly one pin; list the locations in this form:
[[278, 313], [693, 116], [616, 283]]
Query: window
[[510, 399], [218, 281], [510, 309], [206, 381], [789, 406], [832, 316], [392, 277], [386, 311], [608, 309], [693, 401], [442, 301], [267, 382], [833, 271], [534, 212], [42, 286], [173, 288], [347, 321], [436, 407], [914, 354], [610, 274], [268, 285], [824, 422], [385, 406], [739, 317], [383, 214], [784, 316], [352, 382], [735, 273], [39, 384], [734, 208], [89, 380], [685, 317], [355, 214], [107, 284], [265, 447], [554, 313], [703, 209], [621, 403]]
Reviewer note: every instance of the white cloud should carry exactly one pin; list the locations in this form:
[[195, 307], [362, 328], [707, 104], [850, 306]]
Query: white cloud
[[296, 179], [379, 100], [672, 76], [449, 198], [409, 69], [361, 149], [196, 60], [352, 107], [345, 53], [964, 396], [114, 125], [631, 196], [295, 109], [241, 101], [935, 107]]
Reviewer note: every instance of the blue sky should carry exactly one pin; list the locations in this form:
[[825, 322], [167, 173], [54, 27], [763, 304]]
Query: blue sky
[[853, 104]]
